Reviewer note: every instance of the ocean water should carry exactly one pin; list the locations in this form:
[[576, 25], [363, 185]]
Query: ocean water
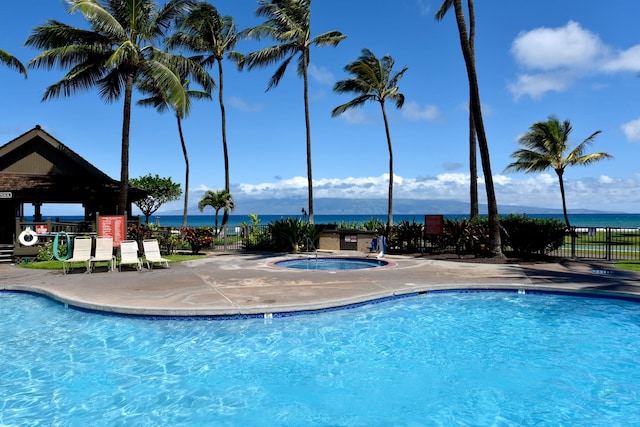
[[622, 220]]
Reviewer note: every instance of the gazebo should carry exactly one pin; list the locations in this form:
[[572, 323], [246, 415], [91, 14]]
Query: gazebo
[[36, 168]]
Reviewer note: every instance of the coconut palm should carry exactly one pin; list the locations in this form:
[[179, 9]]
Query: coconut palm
[[288, 23], [473, 161], [373, 80], [546, 146], [12, 62], [205, 32], [118, 49], [468, 53], [220, 199], [159, 99]]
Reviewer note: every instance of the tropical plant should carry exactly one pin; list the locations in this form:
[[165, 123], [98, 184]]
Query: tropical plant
[[12, 62], [220, 199], [117, 51], [532, 236], [373, 80], [160, 191], [473, 161], [288, 23], [474, 100], [159, 99], [198, 238], [204, 32], [546, 146]]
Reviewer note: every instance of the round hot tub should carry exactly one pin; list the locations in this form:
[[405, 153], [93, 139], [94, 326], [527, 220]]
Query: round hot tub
[[327, 263]]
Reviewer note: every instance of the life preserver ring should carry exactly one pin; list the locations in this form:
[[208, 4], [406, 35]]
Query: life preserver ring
[[56, 246], [33, 237]]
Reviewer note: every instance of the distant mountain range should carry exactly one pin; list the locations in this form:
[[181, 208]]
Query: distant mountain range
[[341, 206]]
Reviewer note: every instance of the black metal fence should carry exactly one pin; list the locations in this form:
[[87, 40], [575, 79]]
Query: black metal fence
[[608, 243]]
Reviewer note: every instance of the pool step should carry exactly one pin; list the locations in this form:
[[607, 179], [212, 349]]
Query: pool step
[[6, 253]]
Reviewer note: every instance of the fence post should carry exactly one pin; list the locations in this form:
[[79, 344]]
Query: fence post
[[572, 230], [608, 243]]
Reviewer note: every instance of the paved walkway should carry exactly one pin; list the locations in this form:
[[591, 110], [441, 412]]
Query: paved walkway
[[231, 284]]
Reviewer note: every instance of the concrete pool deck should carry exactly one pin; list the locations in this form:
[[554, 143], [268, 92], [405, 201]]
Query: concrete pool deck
[[227, 284]]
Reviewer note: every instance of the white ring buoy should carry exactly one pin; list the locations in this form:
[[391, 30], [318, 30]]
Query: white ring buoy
[[33, 237]]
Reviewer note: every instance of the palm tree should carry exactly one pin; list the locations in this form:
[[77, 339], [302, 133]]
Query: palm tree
[[373, 80], [205, 32], [12, 62], [288, 23], [473, 161], [118, 50], [220, 199], [546, 147], [159, 99], [468, 53]]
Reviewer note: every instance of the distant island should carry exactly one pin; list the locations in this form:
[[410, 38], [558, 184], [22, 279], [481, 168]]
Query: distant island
[[342, 206]]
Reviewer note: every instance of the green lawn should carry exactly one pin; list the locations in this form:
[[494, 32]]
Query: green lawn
[[57, 265], [628, 265]]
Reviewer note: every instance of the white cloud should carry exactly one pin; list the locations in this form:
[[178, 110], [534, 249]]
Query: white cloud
[[628, 60], [321, 74], [356, 116], [551, 48], [240, 104], [632, 130], [536, 85], [536, 190], [413, 111], [556, 58]]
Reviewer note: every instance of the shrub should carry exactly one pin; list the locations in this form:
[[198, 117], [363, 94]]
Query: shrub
[[197, 238], [46, 252], [532, 236], [283, 235]]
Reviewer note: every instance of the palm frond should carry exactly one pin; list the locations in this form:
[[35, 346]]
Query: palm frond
[[444, 8]]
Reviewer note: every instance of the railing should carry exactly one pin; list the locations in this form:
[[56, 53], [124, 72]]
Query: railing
[[609, 243]]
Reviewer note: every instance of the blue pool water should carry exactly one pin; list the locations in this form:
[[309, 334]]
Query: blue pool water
[[496, 358], [320, 263]]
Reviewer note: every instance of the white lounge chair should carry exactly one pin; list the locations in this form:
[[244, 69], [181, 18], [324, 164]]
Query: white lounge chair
[[129, 254], [104, 252], [81, 253], [152, 253]]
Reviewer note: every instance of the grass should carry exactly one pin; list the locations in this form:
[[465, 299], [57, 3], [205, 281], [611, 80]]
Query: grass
[[628, 265], [57, 265]]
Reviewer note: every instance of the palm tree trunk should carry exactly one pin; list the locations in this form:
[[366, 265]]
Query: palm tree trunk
[[186, 173], [305, 59], [495, 249], [124, 156], [390, 208], [564, 202], [473, 170], [223, 126], [473, 158]]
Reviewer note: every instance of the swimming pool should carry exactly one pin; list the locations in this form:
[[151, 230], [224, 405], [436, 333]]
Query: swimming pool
[[482, 358], [331, 263]]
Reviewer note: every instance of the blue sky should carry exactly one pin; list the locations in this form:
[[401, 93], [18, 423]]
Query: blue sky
[[534, 59]]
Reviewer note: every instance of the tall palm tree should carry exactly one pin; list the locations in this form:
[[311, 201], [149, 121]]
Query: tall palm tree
[[546, 146], [288, 23], [373, 80], [159, 99], [205, 32], [220, 199], [468, 53], [116, 51], [12, 62], [473, 161]]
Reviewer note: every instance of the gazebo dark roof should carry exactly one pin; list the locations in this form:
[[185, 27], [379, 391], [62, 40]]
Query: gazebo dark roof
[[36, 167]]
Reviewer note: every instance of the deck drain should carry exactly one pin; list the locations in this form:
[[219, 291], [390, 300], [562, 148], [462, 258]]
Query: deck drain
[[601, 271]]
